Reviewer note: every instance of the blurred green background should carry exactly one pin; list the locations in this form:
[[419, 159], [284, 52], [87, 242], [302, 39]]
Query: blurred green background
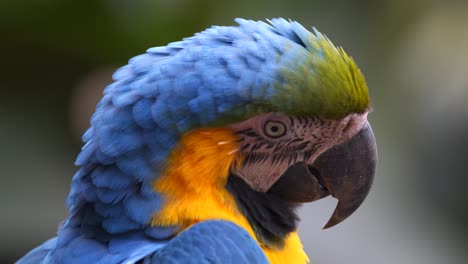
[[57, 56]]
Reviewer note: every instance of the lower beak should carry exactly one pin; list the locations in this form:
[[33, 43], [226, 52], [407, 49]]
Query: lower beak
[[345, 171]]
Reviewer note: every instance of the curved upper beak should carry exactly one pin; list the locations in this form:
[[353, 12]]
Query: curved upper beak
[[345, 171], [348, 171]]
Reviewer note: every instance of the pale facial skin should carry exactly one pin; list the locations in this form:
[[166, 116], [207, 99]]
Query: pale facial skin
[[272, 142]]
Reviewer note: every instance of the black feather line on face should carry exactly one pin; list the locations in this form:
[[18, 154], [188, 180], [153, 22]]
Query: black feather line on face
[[270, 217], [244, 147]]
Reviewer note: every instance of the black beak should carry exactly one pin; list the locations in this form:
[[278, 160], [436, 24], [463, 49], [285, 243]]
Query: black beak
[[348, 172], [345, 171]]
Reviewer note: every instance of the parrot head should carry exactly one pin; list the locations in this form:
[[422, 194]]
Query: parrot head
[[298, 112]]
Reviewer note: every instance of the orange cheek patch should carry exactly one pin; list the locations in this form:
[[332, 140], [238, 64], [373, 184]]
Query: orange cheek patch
[[193, 182]]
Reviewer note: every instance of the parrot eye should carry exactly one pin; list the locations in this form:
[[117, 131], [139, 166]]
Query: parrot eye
[[275, 129]]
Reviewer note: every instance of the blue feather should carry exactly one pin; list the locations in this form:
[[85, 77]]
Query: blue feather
[[110, 177], [159, 50], [109, 210], [102, 158], [161, 233], [123, 73], [141, 64], [111, 196], [87, 152], [142, 114], [140, 208], [125, 99], [160, 113], [82, 250], [134, 165], [211, 242], [117, 142], [187, 85], [118, 225]]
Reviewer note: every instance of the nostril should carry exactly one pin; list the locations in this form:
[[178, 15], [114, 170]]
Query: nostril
[[314, 171]]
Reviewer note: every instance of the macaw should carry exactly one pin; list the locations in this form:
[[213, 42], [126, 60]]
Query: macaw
[[201, 150]]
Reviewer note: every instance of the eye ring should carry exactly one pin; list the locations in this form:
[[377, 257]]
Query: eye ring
[[274, 129]]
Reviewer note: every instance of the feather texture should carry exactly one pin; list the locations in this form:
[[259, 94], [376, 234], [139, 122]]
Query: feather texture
[[210, 242], [218, 76]]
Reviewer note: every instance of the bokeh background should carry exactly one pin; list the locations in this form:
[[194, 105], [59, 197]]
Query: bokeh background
[[57, 56]]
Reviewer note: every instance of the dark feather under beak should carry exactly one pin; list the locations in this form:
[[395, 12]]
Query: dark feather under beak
[[345, 171]]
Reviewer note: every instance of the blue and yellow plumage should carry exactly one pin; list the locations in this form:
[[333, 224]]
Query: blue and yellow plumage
[[158, 154]]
